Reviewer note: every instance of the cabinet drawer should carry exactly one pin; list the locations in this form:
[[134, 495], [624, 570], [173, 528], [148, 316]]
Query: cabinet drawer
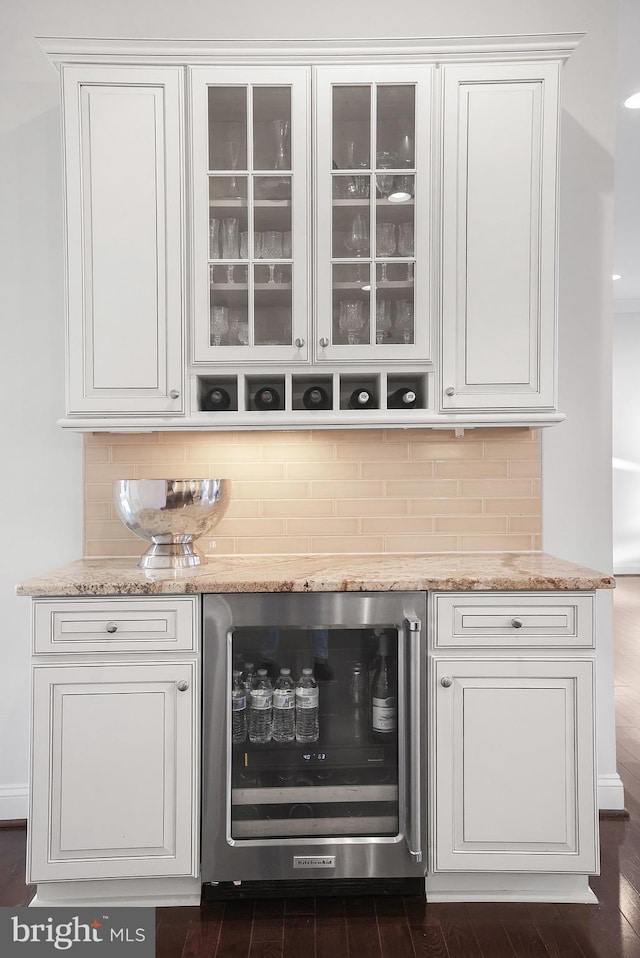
[[518, 619], [116, 625]]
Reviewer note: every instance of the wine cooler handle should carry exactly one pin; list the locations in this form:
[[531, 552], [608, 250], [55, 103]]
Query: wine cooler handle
[[414, 627]]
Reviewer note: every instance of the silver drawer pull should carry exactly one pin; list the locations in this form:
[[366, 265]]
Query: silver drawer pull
[[183, 686], [446, 681], [517, 622], [112, 626]]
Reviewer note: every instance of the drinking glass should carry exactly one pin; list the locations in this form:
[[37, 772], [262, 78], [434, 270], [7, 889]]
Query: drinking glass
[[385, 160], [383, 319], [404, 319], [230, 243], [219, 323], [286, 245], [214, 238], [232, 155], [281, 134], [385, 244], [257, 245], [240, 329], [271, 249], [244, 245], [357, 239], [352, 319], [405, 245]]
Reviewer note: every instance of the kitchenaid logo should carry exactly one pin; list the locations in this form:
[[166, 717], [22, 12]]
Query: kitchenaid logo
[[83, 931]]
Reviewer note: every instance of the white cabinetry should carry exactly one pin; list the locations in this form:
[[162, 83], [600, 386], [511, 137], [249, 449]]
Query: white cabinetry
[[114, 741], [364, 216], [499, 205], [513, 785], [123, 149]]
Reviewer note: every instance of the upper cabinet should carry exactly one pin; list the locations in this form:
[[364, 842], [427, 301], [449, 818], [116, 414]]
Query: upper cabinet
[[499, 173], [349, 233], [123, 151]]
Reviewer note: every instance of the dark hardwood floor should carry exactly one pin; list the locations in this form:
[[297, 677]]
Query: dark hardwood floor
[[382, 927]]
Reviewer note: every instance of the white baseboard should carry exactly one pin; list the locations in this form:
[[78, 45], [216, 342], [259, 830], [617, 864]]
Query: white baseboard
[[610, 793], [510, 887], [14, 802], [126, 892]]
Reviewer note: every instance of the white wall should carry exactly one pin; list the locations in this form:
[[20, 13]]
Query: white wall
[[626, 442], [576, 455]]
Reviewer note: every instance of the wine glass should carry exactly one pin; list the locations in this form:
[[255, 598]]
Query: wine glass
[[406, 246], [385, 160], [218, 324], [271, 249], [404, 319], [385, 244], [383, 319], [357, 239], [281, 134], [352, 319]]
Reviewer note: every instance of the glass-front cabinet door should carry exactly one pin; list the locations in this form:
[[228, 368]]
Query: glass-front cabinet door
[[373, 162], [250, 215]]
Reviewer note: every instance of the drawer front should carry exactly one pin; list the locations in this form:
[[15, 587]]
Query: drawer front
[[116, 625], [508, 619]]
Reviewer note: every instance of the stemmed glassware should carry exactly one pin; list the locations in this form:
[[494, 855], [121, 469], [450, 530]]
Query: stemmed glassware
[[404, 319], [352, 319], [383, 319], [219, 323], [281, 134], [271, 249], [357, 239], [406, 246], [385, 244]]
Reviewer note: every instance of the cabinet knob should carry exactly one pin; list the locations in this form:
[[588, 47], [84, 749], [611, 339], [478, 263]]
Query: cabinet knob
[[174, 394], [183, 686], [450, 391], [517, 622], [324, 342], [446, 681], [299, 343], [112, 626]]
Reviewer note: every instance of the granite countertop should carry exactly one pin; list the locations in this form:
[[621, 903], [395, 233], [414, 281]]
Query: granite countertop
[[458, 571]]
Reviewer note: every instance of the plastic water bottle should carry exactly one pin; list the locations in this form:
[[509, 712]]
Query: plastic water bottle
[[238, 708], [249, 675], [284, 701], [260, 709], [307, 698]]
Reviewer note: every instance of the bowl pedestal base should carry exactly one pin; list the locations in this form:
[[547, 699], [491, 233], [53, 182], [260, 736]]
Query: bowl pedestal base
[[170, 555]]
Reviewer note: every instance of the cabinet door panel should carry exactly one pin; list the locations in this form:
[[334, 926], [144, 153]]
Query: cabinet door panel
[[112, 793], [250, 213], [515, 778], [499, 222], [373, 213], [122, 134]]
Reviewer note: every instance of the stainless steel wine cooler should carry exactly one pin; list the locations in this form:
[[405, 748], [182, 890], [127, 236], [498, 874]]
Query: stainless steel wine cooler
[[350, 805]]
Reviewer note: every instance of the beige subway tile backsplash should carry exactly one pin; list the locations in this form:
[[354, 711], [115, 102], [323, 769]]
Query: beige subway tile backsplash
[[337, 490]]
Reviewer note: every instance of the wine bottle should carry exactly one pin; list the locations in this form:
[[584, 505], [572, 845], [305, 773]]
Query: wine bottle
[[384, 703], [403, 398], [267, 397], [216, 399], [361, 399], [316, 397]]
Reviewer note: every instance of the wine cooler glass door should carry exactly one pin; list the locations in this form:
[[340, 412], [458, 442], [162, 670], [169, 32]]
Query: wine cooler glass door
[[313, 736]]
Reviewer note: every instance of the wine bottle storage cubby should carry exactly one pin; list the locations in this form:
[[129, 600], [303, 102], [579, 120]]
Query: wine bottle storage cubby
[[327, 396]]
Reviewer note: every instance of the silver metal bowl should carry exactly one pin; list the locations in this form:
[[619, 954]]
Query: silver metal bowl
[[170, 513]]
